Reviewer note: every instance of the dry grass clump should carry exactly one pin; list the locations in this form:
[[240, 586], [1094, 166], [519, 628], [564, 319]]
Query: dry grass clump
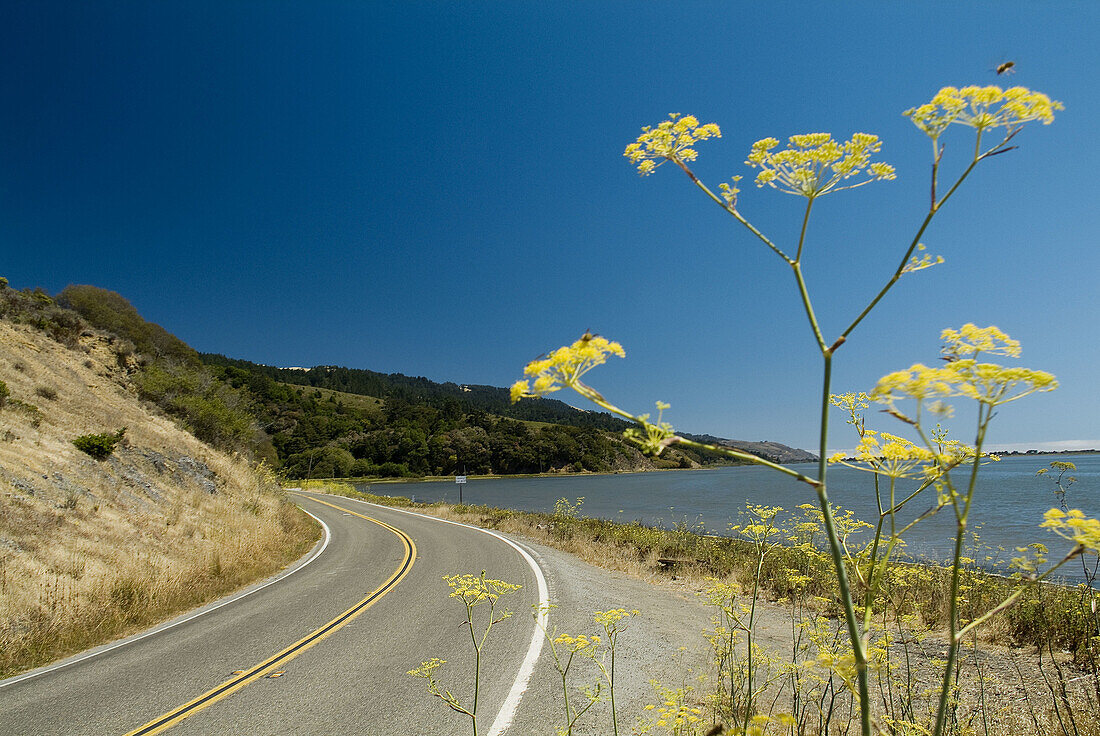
[[92, 550]]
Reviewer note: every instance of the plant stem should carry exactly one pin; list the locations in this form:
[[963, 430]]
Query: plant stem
[[611, 685], [477, 661], [858, 651], [985, 414], [733, 211]]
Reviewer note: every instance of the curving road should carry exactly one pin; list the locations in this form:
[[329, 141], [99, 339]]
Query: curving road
[[323, 650]]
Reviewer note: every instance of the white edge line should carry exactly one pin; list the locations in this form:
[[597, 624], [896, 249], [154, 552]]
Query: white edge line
[[507, 711], [157, 629]]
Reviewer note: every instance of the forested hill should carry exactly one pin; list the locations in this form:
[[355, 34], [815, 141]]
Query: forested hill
[[419, 390], [343, 422]]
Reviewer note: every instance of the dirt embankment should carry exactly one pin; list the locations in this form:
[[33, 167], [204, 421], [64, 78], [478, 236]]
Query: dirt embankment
[[94, 549]]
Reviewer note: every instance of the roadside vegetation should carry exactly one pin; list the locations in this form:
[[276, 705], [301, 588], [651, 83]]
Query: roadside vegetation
[[1045, 646]]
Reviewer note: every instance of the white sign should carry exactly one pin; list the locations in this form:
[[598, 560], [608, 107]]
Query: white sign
[[460, 479]]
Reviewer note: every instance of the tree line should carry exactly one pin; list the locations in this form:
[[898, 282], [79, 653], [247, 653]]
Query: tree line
[[342, 422]]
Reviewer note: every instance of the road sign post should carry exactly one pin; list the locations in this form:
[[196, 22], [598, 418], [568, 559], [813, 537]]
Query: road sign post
[[460, 480]]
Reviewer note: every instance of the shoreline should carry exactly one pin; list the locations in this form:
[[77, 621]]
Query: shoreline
[[588, 474]]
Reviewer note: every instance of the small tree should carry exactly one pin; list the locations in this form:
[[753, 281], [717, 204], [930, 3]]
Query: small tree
[[99, 446]]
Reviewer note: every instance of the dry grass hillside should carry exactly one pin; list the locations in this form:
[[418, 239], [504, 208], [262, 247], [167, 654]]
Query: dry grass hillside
[[94, 549]]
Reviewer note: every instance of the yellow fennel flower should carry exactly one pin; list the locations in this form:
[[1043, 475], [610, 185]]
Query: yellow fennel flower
[[580, 644], [565, 366], [982, 108], [475, 589], [888, 455], [987, 383], [814, 164], [1074, 526], [671, 140], [971, 340]]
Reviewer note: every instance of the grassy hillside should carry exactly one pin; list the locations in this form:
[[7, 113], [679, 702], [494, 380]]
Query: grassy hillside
[[93, 549]]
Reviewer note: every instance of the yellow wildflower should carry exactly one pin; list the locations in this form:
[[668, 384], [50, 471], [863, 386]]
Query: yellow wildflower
[[971, 340], [475, 589], [653, 438], [814, 164], [982, 108], [580, 644], [671, 140], [565, 366], [921, 260], [1074, 526]]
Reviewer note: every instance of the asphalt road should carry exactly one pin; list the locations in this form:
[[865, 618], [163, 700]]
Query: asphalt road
[[396, 613]]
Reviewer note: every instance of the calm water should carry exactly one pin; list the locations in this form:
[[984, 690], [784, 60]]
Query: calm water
[[1008, 504]]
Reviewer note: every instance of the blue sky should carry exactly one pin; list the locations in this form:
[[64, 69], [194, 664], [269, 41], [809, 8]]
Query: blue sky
[[438, 189]]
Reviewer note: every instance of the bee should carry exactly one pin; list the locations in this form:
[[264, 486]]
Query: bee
[[587, 336], [1006, 67]]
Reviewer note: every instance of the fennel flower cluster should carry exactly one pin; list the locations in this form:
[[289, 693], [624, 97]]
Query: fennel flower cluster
[[971, 340], [1074, 526], [676, 716], [671, 140], [814, 164], [427, 668], [565, 366], [475, 589], [580, 644], [921, 260], [610, 619], [982, 108], [987, 383], [652, 438], [889, 455]]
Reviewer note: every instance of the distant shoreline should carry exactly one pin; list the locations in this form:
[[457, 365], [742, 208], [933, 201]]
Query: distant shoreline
[[587, 474], [1041, 453]]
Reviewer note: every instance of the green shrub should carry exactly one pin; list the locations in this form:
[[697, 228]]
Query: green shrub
[[4, 394], [99, 446], [37, 309]]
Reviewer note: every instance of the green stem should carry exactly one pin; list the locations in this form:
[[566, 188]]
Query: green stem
[[802, 233], [746, 456], [872, 564], [733, 211], [611, 685], [750, 696], [932, 210], [807, 304], [858, 649], [565, 693], [985, 413], [477, 662]]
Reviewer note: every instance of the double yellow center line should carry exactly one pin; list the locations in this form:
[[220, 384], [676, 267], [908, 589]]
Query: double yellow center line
[[266, 667]]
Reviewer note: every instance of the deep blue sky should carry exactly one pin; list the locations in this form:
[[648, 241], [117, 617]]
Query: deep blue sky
[[438, 189]]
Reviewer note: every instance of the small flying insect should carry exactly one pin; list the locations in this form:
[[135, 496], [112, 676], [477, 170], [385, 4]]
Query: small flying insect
[[1006, 67]]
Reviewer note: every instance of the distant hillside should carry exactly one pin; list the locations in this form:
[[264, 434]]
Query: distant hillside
[[484, 399], [316, 422], [419, 390], [773, 451]]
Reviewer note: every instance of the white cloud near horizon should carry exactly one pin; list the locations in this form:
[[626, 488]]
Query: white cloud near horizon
[[1055, 446]]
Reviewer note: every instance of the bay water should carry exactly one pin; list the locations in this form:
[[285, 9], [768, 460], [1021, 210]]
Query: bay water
[[1009, 500]]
